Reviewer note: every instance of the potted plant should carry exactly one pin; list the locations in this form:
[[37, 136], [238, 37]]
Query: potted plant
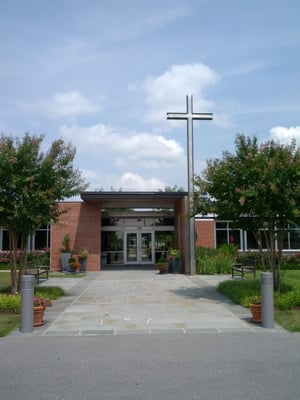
[[65, 252], [162, 265], [73, 264], [174, 260], [39, 306], [255, 308], [82, 258]]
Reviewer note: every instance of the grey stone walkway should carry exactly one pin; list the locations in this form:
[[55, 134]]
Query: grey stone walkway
[[134, 301]]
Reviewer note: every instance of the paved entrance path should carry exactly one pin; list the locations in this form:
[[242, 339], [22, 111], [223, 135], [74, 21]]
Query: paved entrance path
[[135, 301]]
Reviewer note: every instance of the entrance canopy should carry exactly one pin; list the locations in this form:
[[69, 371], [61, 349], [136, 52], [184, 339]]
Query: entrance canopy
[[127, 239], [134, 199]]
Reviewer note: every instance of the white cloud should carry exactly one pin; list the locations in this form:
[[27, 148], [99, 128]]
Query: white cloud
[[127, 181], [89, 175], [285, 135], [142, 150], [132, 181], [166, 93], [61, 105]]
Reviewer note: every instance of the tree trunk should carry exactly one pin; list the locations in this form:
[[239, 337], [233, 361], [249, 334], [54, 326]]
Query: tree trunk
[[281, 233], [258, 237], [13, 243], [269, 233], [22, 259]]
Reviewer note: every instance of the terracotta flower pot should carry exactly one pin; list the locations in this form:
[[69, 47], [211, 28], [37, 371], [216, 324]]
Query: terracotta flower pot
[[163, 268], [38, 315], [256, 312]]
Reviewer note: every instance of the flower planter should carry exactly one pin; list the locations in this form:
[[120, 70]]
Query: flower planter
[[176, 265], [163, 268], [64, 261], [38, 315], [256, 312], [73, 264], [83, 264]]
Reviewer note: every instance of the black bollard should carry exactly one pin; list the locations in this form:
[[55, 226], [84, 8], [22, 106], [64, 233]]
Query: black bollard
[[27, 296], [267, 299]]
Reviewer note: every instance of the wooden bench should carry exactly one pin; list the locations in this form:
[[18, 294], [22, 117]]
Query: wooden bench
[[36, 270], [248, 266]]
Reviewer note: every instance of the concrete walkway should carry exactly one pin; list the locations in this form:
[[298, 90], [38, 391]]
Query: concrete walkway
[[134, 301]]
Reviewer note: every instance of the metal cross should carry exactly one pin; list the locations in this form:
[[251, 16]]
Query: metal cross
[[189, 116]]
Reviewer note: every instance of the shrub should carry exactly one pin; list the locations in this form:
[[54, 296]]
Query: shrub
[[5, 267], [291, 262], [4, 256], [214, 261], [242, 292], [10, 303], [228, 250], [49, 292], [286, 301], [40, 257]]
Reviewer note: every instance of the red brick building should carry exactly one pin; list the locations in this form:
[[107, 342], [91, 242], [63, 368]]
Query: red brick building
[[137, 228], [123, 228]]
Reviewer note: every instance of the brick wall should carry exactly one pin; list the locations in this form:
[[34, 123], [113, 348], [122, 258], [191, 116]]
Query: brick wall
[[180, 230], [205, 233], [82, 222]]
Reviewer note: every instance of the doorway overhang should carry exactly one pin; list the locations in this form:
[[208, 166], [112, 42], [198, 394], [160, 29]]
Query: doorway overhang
[[175, 202], [134, 199]]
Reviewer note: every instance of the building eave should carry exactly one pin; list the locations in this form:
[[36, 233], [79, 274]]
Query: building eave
[[134, 199]]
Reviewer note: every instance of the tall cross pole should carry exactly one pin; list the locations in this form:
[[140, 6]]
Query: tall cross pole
[[190, 116]]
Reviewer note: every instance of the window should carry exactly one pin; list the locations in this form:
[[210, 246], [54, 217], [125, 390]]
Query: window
[[112, 247], [39, 241], [245, 240], [292, 237], [226, 234]]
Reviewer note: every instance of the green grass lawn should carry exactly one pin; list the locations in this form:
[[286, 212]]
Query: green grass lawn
[[8, 323], [68, 275], [287, 303], [289, 319], [4, 280]]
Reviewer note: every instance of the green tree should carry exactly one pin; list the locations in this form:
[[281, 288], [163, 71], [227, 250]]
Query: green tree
[[31, 183], [258, 188], [174, 188]]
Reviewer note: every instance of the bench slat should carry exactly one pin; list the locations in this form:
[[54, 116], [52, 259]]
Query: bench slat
[[36, 270], [243, 268]]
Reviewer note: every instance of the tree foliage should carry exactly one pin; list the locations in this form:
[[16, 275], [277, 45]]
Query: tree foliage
[[31, 183], [258, 188], [174, 188]]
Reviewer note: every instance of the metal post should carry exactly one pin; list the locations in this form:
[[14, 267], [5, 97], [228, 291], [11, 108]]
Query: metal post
[[267, 299], [27, 296], [190, 155]]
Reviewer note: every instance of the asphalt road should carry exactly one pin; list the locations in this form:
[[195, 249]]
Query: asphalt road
[[219, 366]]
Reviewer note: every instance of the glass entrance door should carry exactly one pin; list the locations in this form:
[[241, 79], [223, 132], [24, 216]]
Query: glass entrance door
[[139, 247], [146, 249], [131, 247]]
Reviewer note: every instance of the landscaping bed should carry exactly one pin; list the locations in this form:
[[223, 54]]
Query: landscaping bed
[[286, 303], [10, 305]]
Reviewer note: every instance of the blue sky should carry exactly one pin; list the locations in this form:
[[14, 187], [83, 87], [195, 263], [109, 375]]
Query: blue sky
[[103, 74]]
